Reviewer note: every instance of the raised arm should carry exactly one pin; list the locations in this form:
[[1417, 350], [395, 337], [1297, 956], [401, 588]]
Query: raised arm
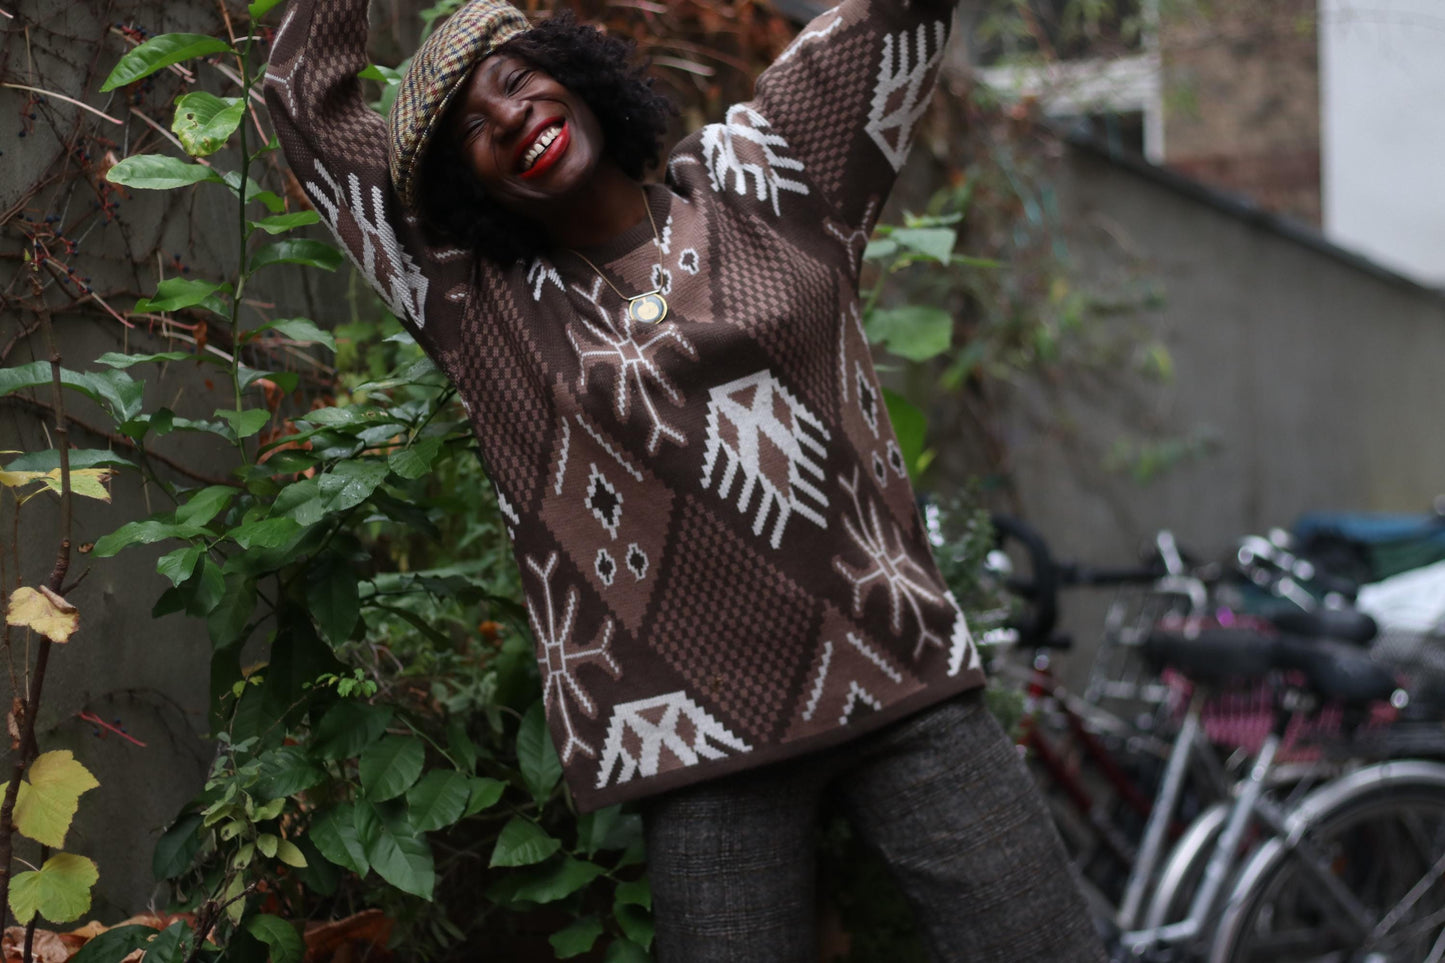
[[847, 96], [336, 146]]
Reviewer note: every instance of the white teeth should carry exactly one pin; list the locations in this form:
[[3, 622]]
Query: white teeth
[[543, 141]]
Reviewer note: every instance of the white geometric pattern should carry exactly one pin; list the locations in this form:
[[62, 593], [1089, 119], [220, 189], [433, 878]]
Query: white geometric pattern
[[903, 90], [731, 151], [404, 287], [961, 643], [560, 657], [617, 346], [769, 438], [890, 568], [710, 739]]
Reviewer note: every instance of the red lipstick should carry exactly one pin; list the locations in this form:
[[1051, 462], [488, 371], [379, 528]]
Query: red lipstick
[[551, 155]]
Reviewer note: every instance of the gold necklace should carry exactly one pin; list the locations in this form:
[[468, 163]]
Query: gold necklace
[[649, 307]]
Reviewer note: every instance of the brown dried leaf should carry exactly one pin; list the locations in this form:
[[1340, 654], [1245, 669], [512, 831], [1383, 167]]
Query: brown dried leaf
[[13, 721], [42, 610]]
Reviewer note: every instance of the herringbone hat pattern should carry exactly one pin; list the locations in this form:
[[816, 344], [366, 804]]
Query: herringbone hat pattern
[[434, 77]]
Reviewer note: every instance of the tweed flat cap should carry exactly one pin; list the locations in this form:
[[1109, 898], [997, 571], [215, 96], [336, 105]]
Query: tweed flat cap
[[434, 77]]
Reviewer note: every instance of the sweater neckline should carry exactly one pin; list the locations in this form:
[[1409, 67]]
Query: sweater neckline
[[630, 239]]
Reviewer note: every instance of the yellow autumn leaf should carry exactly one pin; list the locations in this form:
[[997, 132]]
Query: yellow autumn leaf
[[85, 482], [17, 479], [43, 611], [50, 795]]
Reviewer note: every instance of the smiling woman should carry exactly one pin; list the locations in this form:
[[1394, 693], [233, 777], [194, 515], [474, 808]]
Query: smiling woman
[[736, 612], [581, 73]]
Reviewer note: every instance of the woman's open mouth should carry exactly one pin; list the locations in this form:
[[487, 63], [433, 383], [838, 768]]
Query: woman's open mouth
[[544, 149]]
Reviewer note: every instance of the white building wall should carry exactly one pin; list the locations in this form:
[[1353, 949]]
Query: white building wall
[[1382, 102]]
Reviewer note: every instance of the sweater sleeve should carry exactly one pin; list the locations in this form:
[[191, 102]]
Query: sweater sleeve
[[836, 112], [336, 146]]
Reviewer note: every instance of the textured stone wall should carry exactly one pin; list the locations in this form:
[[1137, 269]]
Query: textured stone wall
[[1241, 100]]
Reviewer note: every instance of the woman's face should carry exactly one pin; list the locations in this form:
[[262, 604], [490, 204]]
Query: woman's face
[[531, 142]]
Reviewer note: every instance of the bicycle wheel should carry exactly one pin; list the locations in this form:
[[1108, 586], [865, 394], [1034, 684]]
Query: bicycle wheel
[[1367, 886]]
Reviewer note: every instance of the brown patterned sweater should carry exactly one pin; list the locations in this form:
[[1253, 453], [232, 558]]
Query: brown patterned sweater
[[723, 562]]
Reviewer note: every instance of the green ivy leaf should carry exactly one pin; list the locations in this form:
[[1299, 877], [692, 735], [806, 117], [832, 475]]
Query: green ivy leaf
[[266, 533], [626, 951], [280, 937], [116, 943], [910, 425], [166, 947], [285, 771], [485, 793], [204, 504], [49, 795], [398, 853], [537, 757], [281, 223], [227, 622], [351, 483], [438, 800], [59, 890], [348, 727], [244, 423], [548, 884], [637, 892], [301, 330], [415, 461], [635, 922], [177, 847], [174, 294], [332, 597], [49, 460], [159, 172], [290, 854], [916, 332], [204, 122], [117, 360], [334, 835], [298, 251], [160, 52], [522, 843], [389, 768], [933, 243], [879, 249], [274, 203], [576, 938], [381, 74]]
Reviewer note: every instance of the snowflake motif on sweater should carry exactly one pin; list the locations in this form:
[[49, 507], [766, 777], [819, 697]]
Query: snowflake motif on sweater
[[722, 561]]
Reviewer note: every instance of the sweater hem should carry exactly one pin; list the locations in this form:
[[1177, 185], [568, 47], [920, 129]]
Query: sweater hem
[[594, 799]]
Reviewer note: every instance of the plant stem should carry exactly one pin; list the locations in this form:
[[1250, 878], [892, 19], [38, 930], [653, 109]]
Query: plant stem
[[242, 236], [27, 749]]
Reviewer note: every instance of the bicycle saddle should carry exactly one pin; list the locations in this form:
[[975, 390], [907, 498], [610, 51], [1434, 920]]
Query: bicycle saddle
[[1348, 625], [1337, 671]]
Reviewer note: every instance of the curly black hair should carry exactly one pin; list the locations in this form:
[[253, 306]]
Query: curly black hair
[[599, 69]]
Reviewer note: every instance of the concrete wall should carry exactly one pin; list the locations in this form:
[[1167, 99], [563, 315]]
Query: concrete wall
[[149, 676], [1383, 130], [1241, 99], [1319, 378]]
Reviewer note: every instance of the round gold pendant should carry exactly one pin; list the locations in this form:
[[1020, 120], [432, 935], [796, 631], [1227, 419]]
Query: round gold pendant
[[648, 308]]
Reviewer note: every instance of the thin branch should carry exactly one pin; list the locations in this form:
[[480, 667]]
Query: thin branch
[[127, 442], [69, 100]]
